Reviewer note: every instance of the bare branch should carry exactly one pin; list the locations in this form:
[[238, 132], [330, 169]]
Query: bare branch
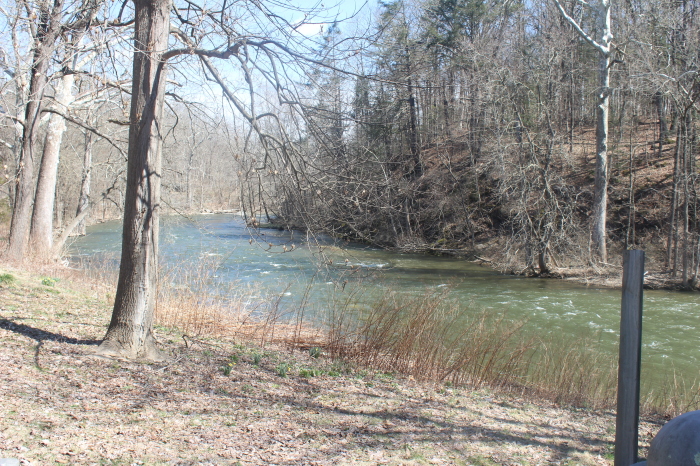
[[86, 126], [14, 118], [601, 48]]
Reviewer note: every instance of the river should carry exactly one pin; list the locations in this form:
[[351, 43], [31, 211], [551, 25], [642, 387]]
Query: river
[[304, 269]]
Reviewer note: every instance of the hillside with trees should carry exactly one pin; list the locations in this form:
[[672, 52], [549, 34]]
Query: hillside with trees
[[479, 124], [540, 135]]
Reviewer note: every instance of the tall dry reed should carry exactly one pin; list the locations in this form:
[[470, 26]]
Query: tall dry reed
[[429, 337], [424, 337], [676, 396], [193, 300], [573, 371]]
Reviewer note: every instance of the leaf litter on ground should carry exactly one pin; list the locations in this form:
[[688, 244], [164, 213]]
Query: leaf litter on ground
[[61, 405]]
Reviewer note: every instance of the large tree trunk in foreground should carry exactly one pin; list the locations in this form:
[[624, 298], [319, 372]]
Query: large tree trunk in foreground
[[130, 330]]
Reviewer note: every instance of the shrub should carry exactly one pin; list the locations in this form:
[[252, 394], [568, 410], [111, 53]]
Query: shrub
[[282, 369], [48, 281]]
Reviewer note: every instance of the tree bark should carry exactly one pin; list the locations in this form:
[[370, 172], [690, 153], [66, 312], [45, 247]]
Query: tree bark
[[658, 100], [600, 199], [130, 330], [603, 44], [47, 33], [190, 189], [84, 199], [672, 230], [417, 169], [687, 173], [542, 261], [41, 234]]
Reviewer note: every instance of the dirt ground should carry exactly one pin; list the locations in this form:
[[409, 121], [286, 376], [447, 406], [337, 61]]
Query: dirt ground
[[230, 402]]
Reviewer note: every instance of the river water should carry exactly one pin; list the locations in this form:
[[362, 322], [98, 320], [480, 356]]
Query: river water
[[301, 269]]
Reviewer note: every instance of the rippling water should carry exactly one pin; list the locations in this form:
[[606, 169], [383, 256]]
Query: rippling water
[[298, 268]]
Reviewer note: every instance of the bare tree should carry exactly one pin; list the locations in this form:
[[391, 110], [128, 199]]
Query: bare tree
[[604, 46], [41, 233], [44, 35], [130, 330], [15, 87], [85, 184]]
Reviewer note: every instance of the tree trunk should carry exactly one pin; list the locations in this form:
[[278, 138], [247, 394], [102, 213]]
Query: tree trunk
[[130, 330], [542, 261], [446, 101], [661, 114], [600, 200], [601, 10], [672, 231], [630, 237], [687, 173], [49, 27], [190, 188], [413, 128], [84, 199], [41, 235]]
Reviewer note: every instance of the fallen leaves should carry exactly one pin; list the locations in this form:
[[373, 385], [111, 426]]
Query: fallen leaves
[[75, 409]]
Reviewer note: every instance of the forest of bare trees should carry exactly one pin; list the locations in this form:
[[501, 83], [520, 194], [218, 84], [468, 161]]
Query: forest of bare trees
[[556, 133], [553, 131]]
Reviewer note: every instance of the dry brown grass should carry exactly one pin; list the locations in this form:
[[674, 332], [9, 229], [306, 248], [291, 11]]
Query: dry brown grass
[[574, 372], [189, 301], [677, 396], [234, 316], [430, 338], [427, 337], [423, 337]]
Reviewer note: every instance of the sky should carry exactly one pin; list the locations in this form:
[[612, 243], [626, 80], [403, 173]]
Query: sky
[[308, 20], [323, 13]]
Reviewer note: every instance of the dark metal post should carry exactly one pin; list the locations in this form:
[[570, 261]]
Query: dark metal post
[[626, 432]]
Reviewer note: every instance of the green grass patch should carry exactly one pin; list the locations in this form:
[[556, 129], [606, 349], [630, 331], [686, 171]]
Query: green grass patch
[[282, 369], [226, 369], [479, 460], [309, 372], [48, 281]]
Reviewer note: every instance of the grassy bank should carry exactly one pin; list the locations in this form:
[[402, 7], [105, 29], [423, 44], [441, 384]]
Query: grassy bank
[[240, 390], [430, 337]]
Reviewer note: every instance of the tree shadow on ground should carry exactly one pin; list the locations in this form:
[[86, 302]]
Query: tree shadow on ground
[[427, 429], [42, 335], [406, 424]]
